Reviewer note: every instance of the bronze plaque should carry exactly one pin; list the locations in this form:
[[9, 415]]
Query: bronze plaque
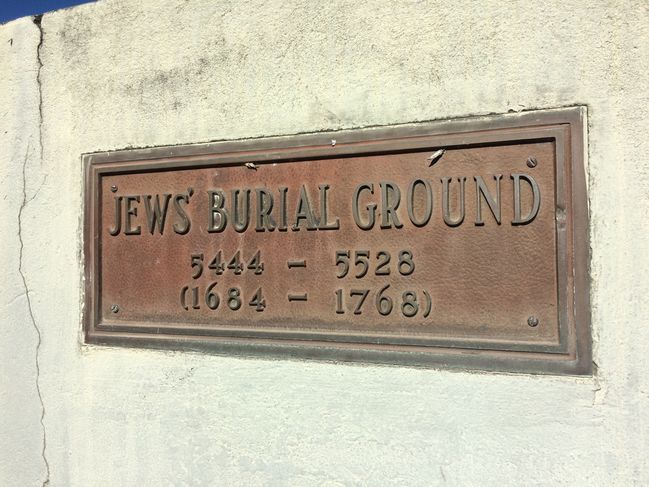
[[459, 243]]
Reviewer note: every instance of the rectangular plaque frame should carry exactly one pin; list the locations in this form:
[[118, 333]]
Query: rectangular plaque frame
[[563, 127]]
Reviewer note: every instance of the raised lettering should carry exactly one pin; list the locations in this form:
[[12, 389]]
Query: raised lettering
[[371, 208], [155, 215], [493, 203], [131, 212], [218, 217], [264, 207], [282, 226], [185, 223], [536, 199], [323, 225], [240, 211], [118, 217], [390, 199], [428, 202], [446, 204], [303, 212]]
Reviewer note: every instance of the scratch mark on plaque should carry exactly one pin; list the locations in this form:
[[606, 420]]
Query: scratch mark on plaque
[[23, 205], [435, 156], [251, 165]]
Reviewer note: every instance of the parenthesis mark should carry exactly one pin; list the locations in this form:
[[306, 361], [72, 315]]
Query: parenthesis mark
[[429, 304], [183, 298]]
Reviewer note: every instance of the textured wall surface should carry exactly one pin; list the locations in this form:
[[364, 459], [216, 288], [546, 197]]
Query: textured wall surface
[[119, 74], [21, 182]]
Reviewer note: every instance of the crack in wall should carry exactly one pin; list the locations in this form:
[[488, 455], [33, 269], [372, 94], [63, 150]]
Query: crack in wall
[[37, 22], [23, 206]]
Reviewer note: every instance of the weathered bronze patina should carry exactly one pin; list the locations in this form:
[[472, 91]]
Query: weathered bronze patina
[[459, 243]]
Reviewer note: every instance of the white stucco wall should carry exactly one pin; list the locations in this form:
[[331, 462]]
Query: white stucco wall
[[21, 178], [119, 74]]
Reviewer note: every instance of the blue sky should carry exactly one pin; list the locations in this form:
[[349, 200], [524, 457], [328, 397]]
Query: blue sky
[[12, 9]]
